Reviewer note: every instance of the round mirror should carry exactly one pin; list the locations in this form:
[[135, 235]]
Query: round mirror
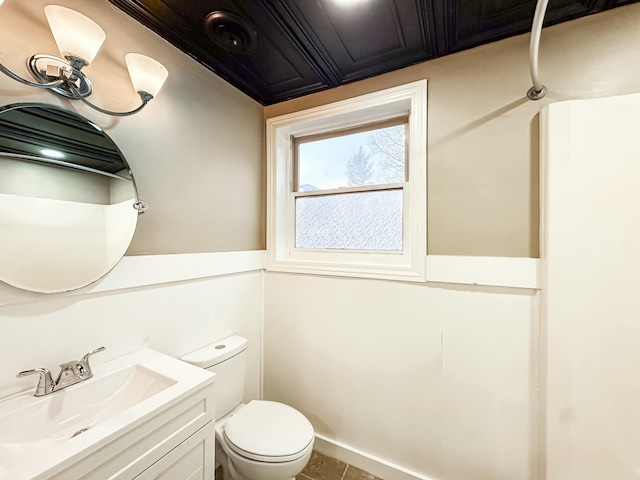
[[68, 201]]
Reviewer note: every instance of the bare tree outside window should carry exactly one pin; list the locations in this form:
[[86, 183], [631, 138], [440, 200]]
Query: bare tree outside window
[[359, 169], [388, 145]]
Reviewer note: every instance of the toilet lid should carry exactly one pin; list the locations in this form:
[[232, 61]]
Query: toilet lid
[[268, 431]]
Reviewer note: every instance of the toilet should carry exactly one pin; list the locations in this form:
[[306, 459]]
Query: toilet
[[260, 440]]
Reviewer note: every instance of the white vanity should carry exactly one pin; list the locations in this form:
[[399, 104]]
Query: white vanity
[[142, 416]]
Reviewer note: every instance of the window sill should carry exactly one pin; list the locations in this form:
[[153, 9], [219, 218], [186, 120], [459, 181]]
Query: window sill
[[380, 272], [511, 272]]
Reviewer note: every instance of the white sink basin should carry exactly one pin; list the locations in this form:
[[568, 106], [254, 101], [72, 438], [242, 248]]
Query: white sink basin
[[41, 433]]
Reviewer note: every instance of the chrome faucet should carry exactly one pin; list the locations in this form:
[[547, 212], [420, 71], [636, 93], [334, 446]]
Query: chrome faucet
[[70, 374]]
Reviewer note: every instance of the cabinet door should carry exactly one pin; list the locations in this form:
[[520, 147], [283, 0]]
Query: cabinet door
[[193, 459]]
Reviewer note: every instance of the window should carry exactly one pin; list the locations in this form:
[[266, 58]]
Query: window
[[347, 187]]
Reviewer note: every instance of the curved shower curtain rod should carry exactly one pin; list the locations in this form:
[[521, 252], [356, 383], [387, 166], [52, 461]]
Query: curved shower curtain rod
[[538, 90]]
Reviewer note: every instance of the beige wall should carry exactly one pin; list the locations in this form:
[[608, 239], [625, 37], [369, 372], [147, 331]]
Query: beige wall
[[195, 150], [198, 147], [483, 132]]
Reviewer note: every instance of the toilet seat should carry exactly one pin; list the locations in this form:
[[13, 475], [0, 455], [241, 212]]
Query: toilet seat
[[267, 431]]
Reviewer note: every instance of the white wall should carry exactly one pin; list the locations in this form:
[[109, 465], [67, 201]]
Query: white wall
[[433, 378], [172, 304], [591, 303]]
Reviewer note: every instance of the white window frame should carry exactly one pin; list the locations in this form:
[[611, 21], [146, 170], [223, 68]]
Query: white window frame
[[409, 265]]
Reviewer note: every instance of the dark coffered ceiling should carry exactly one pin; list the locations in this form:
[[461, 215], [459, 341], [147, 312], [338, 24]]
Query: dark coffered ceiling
[[275, 50]]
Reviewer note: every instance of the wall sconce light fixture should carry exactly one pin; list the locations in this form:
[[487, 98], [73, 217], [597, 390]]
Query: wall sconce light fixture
[[79, 39]]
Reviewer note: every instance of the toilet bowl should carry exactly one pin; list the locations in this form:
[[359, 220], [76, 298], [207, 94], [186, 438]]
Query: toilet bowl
[[263, 441], [259, 440]]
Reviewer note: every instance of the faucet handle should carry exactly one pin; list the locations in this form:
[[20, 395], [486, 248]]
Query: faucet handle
[[45, 383], [85, 361]]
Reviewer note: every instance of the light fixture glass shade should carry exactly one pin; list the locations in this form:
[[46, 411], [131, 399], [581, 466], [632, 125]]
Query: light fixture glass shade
[[147, 75], [75, 34]]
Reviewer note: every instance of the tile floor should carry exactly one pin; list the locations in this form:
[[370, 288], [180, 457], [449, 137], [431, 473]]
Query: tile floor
[[321, 467]]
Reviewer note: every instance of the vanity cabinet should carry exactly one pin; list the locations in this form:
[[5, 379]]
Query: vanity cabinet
[[193, 459], [143, 415], [175, 444]]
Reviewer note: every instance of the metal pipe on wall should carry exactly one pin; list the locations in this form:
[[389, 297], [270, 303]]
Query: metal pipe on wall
[[538, 90]]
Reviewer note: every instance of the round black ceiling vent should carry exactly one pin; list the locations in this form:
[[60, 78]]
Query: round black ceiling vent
[[230, 32]]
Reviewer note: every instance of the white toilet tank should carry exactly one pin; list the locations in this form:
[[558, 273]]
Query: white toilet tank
[[227, 359]]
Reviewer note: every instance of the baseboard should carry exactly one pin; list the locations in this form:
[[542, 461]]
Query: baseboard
[[369, 463]]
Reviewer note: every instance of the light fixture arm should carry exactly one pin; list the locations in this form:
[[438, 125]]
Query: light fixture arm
[[69, 82], [10, 74], [144, 96]]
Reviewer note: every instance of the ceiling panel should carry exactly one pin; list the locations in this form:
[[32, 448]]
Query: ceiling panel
[[476, 22], [274, 50], [356, 43]]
